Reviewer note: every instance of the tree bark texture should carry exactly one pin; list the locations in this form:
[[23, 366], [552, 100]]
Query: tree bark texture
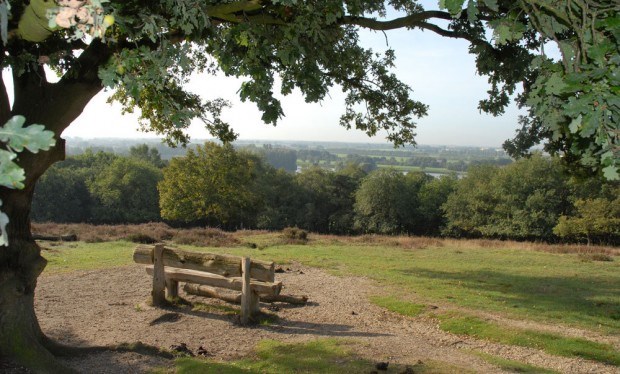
[[56, 106]]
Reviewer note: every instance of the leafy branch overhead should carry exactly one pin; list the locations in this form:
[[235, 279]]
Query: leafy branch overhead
[[17, 138], [153, 48]]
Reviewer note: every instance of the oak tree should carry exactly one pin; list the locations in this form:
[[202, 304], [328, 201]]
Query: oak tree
[[212, 184]]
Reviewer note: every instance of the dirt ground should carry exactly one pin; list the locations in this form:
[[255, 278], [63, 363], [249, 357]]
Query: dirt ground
[[108, 307]]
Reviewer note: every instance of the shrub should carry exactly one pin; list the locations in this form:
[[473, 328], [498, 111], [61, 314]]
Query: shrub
[[141, 238], [595, 257], [205, 237], [294, 235]]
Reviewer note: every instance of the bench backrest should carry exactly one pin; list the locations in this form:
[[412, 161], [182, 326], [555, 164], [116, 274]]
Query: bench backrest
[[224, 265]]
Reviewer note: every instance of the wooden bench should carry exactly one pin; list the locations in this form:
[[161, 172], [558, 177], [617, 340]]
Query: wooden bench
[[169, 266]]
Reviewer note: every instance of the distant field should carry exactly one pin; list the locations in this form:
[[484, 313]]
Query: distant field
[[416, 168]]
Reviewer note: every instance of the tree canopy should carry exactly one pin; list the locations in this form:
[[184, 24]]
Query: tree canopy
[[152, 49], [212, 184]]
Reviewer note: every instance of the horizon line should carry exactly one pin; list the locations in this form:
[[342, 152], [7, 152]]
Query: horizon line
[[200, 140]]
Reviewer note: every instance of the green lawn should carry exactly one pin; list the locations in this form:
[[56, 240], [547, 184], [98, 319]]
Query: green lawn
[[555, 344], [541, 286], [71, 256], [513, 366], [561, 289], [319, 356]]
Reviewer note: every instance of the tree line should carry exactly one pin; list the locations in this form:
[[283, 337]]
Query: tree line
[[216, 185]]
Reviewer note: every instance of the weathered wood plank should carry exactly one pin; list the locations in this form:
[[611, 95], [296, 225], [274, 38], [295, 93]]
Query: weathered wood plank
[[254, 303], [216, 293], [235, 297], [172, 289], [193, 276], [225, 265], [159, 279]]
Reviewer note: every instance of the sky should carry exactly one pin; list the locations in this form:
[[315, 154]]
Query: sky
[[440, 71]]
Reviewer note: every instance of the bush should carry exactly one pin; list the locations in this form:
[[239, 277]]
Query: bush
[[595, 257], [295, 235], [205, 237], [141, 238]]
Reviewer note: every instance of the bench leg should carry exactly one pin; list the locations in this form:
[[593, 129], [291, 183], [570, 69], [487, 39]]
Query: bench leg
[[159, 277], [172, 289], [246, 292], [254, 299]]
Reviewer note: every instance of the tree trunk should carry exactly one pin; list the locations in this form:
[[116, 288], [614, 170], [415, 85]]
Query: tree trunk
[[56, 106], [21, 263]]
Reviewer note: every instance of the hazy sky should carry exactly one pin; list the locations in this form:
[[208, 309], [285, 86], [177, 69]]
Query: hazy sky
[[439, 70]]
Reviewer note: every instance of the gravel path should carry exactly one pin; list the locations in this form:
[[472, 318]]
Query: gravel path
[[107, 307]]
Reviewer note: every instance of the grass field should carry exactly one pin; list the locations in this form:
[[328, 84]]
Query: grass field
[[516, 280], [319, 356], [524, 284], [550, 287], [416, 168]]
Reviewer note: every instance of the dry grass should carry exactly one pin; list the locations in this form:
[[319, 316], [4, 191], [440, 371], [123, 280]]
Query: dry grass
[[211, 237], [405, 242], [422, 242], [419, 242], [204, 237], [533, 246]]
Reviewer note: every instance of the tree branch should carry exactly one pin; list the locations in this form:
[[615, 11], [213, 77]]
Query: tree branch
[[412, 20], [87, 65]]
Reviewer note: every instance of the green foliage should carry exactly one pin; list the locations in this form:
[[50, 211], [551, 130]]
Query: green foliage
[[468, 208], [33, 137], [282, 197], [62, 195], [279, 158], [327, 200], [523, 200], [154, 48], [127, 192], [595, 219], [577, 98], [384, 203], [573, 101], [99, 188], [213, 184], [432, 196], [145, 153], [16, 138], [550, 343], [532, 194]]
